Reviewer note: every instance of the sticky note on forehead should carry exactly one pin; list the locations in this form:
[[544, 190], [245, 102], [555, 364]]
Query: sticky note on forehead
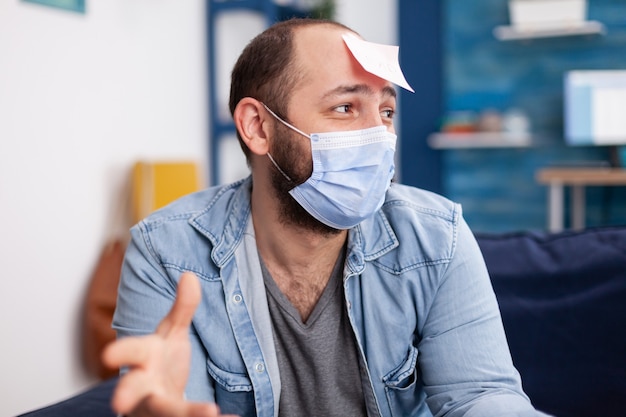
[[380, 60]]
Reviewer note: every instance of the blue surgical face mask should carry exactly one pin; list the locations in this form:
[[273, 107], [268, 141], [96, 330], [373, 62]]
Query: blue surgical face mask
[[352, 171]]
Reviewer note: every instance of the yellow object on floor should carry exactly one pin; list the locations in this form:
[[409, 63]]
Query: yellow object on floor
[[156, 184]]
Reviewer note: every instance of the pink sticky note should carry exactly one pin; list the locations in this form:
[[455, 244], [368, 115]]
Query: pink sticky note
[[380, 60]]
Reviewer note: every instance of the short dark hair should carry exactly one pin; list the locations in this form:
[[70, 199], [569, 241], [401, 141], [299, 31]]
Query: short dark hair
[[266, 70]]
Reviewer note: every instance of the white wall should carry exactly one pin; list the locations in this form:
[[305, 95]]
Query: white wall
[[81, 98], [375, 20]]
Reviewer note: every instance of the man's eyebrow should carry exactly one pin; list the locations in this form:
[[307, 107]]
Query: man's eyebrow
[[389, 91], [358, 88]]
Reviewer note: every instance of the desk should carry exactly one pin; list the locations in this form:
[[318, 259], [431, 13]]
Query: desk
[[578, 179]]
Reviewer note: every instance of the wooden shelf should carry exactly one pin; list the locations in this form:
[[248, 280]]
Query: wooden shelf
[[479, 140], [507, 33]]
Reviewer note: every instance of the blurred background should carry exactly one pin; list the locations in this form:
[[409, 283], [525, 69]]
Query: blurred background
[[91, 88]]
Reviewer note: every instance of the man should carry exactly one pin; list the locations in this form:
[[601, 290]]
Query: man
[[314, 287]]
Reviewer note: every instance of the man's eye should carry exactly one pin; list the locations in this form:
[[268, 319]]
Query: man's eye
[[388, 113], [344, 108]]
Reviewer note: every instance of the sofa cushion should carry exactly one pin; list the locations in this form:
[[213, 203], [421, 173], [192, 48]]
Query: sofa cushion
[[563, 303]]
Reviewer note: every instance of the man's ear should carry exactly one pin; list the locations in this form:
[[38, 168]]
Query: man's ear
[[251, 120]]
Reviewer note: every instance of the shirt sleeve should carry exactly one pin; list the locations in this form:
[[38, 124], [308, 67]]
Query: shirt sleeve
[[465, 361], [145, 295]]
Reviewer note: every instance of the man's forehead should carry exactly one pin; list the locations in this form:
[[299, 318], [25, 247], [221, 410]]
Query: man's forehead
[[327, 70], [377, 59]]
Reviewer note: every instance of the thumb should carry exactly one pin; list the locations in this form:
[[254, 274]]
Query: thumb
[[188, 296]]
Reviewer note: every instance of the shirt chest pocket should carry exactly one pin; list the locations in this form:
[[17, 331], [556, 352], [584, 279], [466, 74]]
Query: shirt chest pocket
[[233, 391]]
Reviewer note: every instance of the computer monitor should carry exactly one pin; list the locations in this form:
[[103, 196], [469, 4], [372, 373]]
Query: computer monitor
[[595, 107]]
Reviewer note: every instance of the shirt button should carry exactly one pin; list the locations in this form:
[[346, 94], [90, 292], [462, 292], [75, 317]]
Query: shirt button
[[259, 367], [349, 305], [237, 298]]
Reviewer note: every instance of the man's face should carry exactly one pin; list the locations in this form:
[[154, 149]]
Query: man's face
[[335, 94]]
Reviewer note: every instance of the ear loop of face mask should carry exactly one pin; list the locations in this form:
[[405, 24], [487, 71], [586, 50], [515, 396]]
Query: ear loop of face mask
[[292, 127]]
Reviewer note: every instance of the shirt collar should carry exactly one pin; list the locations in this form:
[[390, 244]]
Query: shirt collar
[[368, 240]]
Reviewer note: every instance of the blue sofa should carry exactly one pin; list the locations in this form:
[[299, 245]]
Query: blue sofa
[[563, 303]]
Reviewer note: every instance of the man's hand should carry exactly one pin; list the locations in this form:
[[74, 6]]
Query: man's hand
[[159, 363]]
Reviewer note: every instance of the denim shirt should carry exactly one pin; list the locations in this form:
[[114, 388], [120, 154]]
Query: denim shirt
[[417, 291]]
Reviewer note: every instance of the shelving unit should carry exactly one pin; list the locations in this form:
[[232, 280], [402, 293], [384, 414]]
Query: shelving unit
[[480, 140], [508, 33], [221, 127]]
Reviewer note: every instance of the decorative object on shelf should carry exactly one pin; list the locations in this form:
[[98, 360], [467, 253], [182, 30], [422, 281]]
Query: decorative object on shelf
[[485, 129], [547, 18], [459, 122], [538, 14], [72, 5], [489, 120], [515, 121]]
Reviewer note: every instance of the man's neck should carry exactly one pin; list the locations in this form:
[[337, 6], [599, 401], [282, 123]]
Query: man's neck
[[300, 261]]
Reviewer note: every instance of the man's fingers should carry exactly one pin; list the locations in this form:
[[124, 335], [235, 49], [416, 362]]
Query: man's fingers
[[148, 389], [133, 394], [131, 390], [128, 351], [188, 295]]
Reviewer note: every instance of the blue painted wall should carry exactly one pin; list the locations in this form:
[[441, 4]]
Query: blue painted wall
[[420, 34], [497, 186]]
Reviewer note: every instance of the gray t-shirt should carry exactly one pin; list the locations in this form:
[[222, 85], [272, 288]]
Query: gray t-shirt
[[319, 364]]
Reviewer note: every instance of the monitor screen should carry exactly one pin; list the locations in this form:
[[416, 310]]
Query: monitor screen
[[595, 107]]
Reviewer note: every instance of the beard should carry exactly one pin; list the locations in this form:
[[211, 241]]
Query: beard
[[288, 156]]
